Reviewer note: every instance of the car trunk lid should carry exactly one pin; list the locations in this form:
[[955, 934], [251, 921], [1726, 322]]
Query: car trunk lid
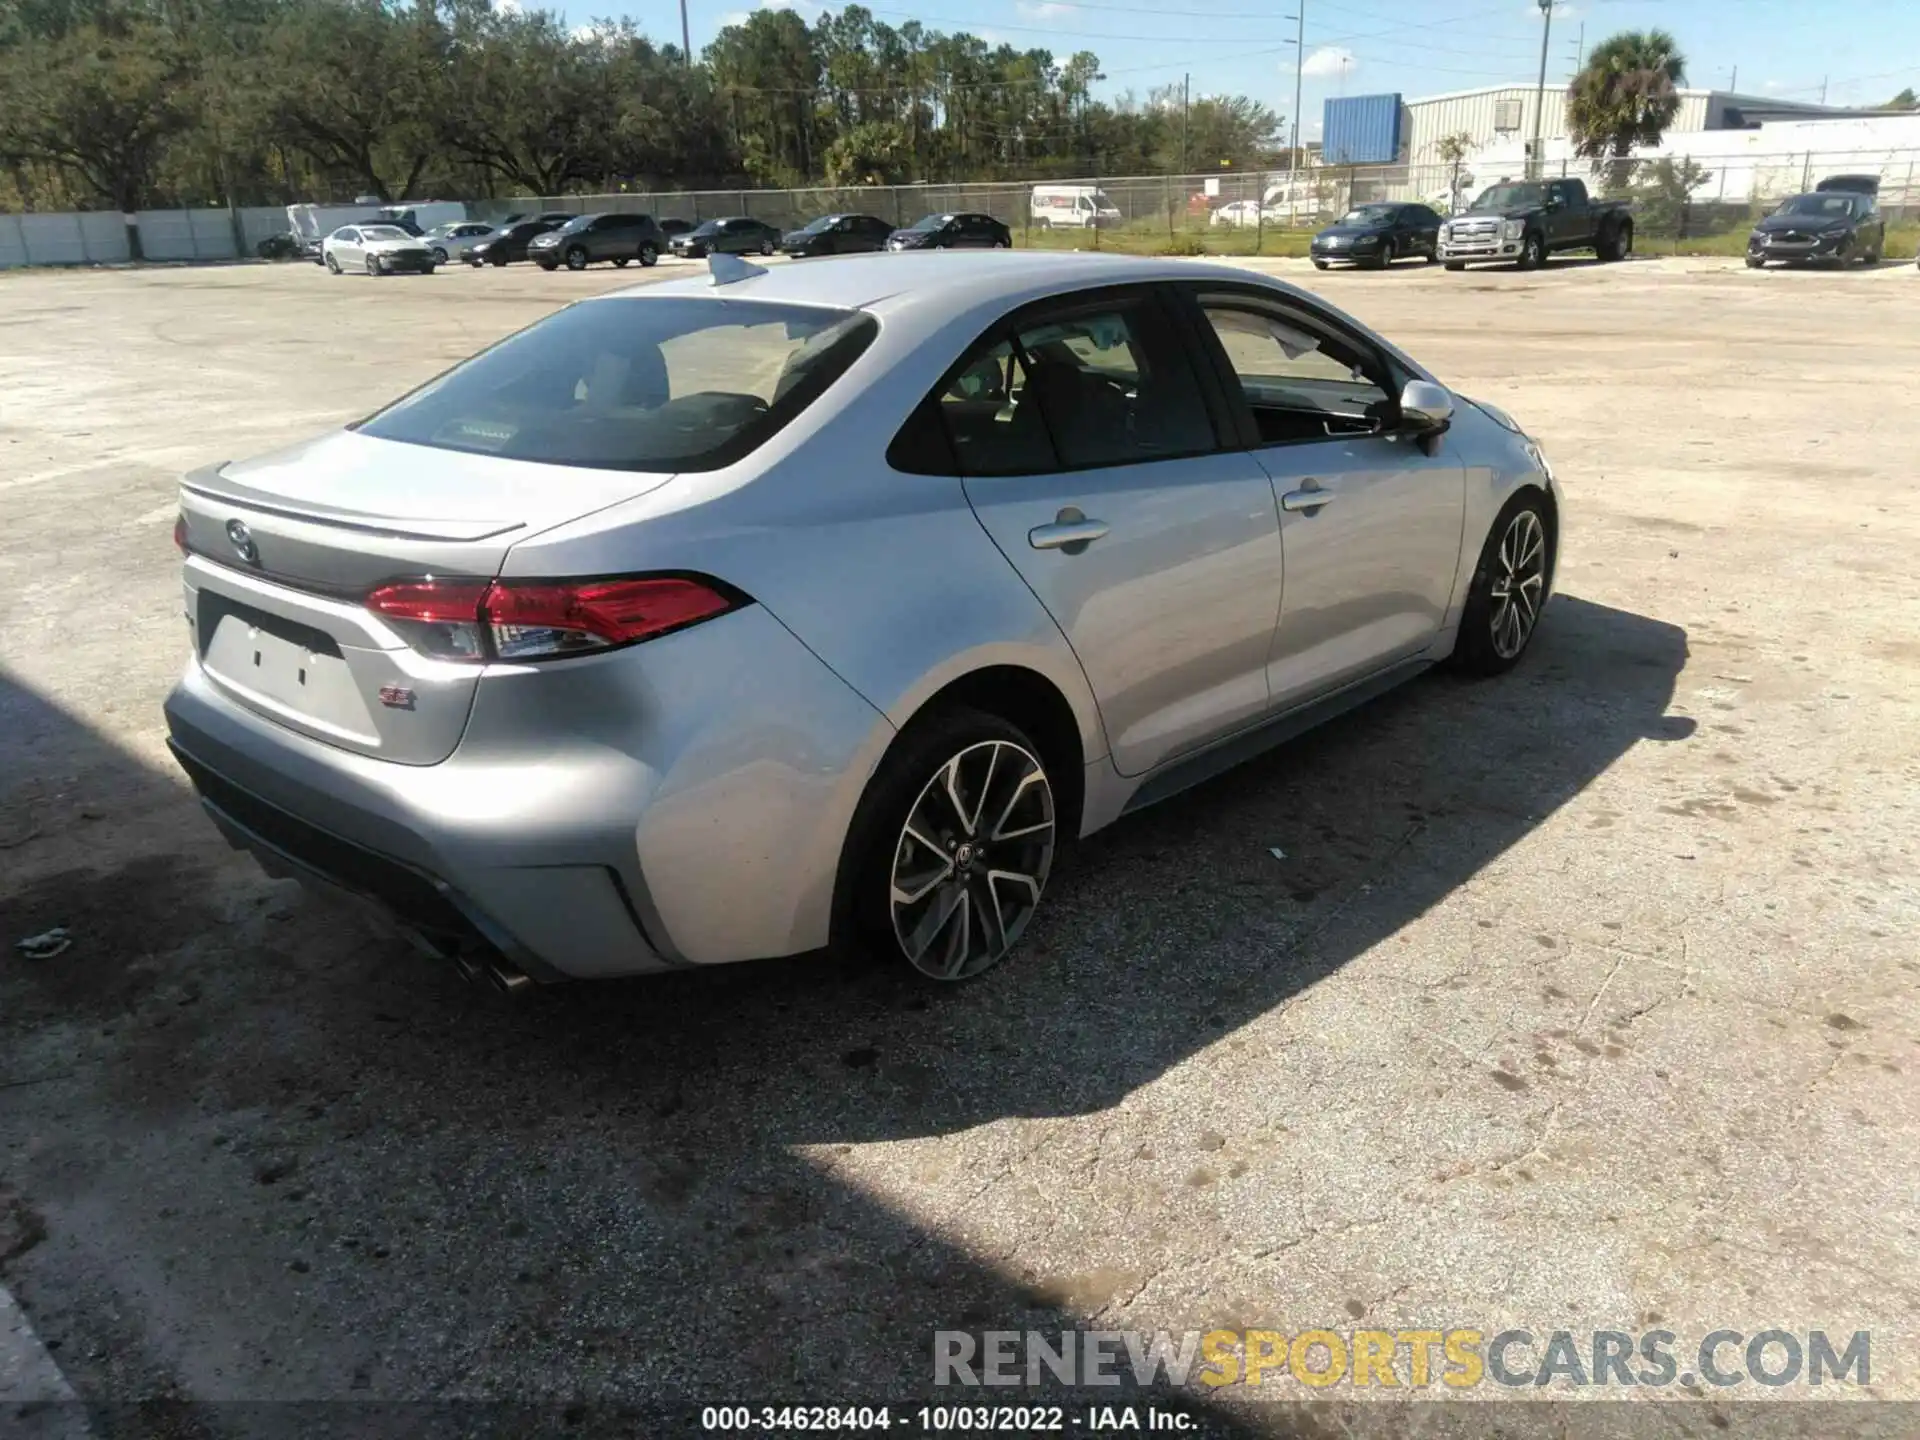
[[283, 550]]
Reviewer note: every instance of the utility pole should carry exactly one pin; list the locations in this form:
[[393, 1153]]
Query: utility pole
[[1823, 89], [1185, 99], [686, 41], [1580, 48], [1540, 97], [1733, 83], [1293, 151]]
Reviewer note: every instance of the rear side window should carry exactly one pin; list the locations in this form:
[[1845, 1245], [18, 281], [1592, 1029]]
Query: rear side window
[[636, 383], [1081, 391]]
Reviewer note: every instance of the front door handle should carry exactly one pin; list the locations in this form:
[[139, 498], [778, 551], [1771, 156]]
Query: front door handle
[[1310, 497], [1070, 531]]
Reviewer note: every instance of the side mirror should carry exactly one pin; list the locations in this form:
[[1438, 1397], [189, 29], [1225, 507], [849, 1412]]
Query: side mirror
[[1425, 408]]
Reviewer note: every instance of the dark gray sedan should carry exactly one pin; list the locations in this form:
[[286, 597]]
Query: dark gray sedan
[[1378, 234]]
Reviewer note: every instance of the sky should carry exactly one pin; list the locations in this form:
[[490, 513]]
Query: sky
[[1863, 51]]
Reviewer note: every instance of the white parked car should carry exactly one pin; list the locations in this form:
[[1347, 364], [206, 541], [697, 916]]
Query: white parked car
[[451, 242], [1248, 212], [376, 249]]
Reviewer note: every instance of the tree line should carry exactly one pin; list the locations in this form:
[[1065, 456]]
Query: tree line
[[134, 104]]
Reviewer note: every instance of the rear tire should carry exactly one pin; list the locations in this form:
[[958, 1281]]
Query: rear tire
[[1754, 262], [948, 855], [1508, 590], [620, 262], [649, 256], [766, 247]]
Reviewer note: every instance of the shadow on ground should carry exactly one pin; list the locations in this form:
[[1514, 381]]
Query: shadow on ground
[[278, 1155]]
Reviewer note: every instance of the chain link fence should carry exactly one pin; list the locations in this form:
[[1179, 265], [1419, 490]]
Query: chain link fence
[[1675, 199]]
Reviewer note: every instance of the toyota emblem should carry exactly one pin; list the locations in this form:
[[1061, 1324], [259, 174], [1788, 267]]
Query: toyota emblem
[[242, 540]]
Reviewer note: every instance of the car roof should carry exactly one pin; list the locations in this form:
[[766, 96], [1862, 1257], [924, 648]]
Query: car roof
[[955, 280]]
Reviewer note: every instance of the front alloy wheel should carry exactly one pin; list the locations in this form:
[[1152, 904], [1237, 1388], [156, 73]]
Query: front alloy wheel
[[971, 860], [1519, 582], [1509, 590], [577, 258]]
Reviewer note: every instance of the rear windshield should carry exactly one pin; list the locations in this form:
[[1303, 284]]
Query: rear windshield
[[635, 383]]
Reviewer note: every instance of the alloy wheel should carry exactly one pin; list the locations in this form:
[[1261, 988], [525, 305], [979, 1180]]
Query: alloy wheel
[[972, 859], [1519, 580]]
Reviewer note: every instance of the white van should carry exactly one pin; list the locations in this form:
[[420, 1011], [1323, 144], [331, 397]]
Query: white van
[[311, 224], [1072, 207]]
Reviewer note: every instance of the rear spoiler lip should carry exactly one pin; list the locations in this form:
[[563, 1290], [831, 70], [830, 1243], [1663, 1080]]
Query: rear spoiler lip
[[209, 483]]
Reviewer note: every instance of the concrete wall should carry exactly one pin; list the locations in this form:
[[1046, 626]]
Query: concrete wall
[[99, 237]]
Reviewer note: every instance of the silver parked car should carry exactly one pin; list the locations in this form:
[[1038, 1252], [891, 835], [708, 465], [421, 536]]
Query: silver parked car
[[821, 605], [452, 241], [376, 249]]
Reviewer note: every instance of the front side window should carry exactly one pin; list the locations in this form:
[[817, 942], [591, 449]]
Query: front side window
[[635, 383], [1086, 390], [1301, 382]]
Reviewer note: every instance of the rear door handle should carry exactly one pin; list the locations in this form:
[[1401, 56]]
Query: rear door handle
[[1309, 497], [1070, 531]]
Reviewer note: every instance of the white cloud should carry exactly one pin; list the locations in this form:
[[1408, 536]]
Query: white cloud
[[507, 7], [1330, 60], [1044, 9], [1773, 85], [733, 17]]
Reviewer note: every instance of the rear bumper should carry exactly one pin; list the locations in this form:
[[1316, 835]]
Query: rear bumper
[[683, 802]]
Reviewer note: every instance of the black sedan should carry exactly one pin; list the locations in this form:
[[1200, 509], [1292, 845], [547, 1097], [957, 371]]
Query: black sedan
[[838, 235], [508, 243], [736, 235], [1829, 225], [963, 231], [1378, 234]]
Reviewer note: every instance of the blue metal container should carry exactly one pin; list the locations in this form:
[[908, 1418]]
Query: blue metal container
[[1361, 130]]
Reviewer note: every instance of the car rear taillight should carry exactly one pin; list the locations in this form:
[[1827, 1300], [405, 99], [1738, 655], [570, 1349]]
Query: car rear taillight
[[481, 620], [180, 533]]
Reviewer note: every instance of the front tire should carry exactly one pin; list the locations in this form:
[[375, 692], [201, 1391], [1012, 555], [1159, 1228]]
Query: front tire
[[766, 247], [373, 264], [439, 255], [649, 256], [951, 847], [1754, 262], [577, 258], [1456, 264], [1319, 264], [1533, 253], [1508, 591], [333, 265], [1386, 256]]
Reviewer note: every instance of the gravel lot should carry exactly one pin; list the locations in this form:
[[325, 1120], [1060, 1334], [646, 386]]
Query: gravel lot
[[1581, 999]]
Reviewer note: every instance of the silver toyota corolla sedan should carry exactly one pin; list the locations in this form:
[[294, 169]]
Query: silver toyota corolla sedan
[[819, 605]]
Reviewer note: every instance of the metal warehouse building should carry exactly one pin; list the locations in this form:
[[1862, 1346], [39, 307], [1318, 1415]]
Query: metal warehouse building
[[1388, 130]]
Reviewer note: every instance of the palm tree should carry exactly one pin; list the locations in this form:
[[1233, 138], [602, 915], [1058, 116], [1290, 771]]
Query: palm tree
[[1625, 95]]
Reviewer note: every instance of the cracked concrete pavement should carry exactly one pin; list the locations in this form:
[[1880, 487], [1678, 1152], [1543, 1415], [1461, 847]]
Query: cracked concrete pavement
[[1581, 999]]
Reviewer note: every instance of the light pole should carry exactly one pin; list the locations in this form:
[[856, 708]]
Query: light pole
[[1293, 150], [686, 41], [1540, 96]]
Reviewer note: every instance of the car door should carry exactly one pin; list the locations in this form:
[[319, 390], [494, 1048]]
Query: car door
[[1089, 451], [1567, 219], [1369, 522], [347, 246]]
